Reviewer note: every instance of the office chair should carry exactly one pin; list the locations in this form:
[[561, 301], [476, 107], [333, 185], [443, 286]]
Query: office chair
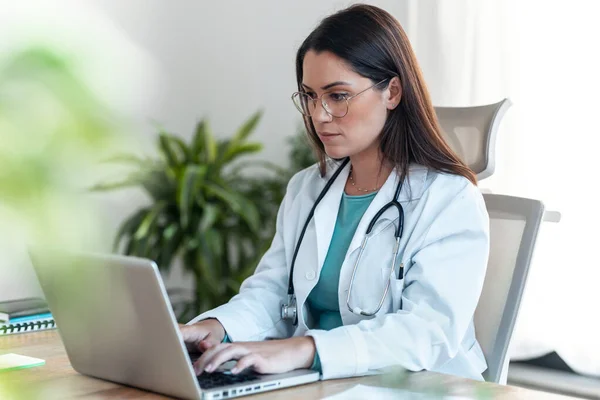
[[514, 226], [471, 132]]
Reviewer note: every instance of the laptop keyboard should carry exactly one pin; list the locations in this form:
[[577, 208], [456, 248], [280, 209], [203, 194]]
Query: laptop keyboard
[[216, 379]]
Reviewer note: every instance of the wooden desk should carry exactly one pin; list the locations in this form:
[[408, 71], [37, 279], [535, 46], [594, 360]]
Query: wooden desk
[[57, 379]]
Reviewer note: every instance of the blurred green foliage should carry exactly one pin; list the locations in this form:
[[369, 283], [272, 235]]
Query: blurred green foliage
[[51, 129]]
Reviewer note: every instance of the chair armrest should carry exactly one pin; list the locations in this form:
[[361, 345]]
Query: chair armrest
[[552, 216], [549, 215]]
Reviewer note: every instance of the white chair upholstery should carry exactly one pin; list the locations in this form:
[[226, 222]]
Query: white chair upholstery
[[471, 133], [514, 226]]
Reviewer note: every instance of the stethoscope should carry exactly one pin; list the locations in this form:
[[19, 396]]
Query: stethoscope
[[290, 311]]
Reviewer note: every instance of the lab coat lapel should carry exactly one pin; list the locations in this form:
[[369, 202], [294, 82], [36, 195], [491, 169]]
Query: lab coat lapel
[[327, 211]]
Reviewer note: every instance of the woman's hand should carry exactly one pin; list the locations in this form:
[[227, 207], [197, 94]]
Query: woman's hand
[[268, 357], [202, 335]]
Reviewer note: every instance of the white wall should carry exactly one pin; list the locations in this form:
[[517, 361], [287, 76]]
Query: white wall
[[172, 62]]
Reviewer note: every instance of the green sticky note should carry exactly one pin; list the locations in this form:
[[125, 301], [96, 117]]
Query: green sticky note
[[13, 361]]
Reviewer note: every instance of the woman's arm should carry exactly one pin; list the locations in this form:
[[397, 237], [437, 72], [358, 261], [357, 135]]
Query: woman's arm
[[442, 289]]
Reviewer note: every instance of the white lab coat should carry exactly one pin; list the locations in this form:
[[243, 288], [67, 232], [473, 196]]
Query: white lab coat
[[444, 249]]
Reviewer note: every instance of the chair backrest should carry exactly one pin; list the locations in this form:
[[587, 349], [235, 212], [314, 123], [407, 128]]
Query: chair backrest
[[471, 133], [514, 226]]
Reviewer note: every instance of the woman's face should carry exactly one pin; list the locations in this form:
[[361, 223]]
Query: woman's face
[[358, 131]]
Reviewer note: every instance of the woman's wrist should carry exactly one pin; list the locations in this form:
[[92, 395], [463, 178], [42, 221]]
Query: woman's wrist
[[306, 347], [215, 327]]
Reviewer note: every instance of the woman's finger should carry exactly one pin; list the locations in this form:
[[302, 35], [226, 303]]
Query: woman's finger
[[245, 362], [208, 342], [233, 352], [207, 357], [192, 337], [191, 333]]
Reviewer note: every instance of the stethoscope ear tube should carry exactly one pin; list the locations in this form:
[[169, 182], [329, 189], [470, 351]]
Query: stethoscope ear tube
[[289, 311]]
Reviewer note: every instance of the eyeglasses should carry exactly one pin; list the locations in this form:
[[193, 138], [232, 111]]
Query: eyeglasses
[[334, 103]]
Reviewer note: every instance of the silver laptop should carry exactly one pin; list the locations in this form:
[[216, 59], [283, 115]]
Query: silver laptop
[[116, 323]]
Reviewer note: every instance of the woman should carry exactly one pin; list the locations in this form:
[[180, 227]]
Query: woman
[[370, 118]]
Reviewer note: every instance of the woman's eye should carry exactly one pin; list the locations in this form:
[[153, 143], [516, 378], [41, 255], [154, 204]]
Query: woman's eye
[[338, 96]]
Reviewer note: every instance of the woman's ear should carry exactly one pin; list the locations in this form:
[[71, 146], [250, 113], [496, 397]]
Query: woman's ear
[[393, 93]]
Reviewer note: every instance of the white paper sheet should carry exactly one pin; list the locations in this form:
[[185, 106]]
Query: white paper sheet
[[16, 361], [361, 392]]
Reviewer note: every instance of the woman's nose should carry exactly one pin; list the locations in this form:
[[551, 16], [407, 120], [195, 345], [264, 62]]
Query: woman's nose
[[319, 113]]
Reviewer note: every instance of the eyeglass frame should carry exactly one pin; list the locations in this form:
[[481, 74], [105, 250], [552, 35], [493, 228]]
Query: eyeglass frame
[[324, 105]]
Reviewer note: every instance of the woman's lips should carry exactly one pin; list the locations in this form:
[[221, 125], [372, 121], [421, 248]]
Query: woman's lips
[[327, 136]]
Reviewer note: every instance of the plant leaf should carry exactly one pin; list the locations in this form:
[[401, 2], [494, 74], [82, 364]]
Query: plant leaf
[[204, 146], [130, 246], [141, 246], [184, 149], [234, 152], [126, 159], [193, 177], [170, 231], [249, 213], [244, 165], [166, 147], [191, 243], [129, 226], [149, 220], [210, 214], [160, 185], [247, 128], [210, 257], [237, 146], [210, 145], [170, 245], [239, 205], [132, 180], [198, 141]]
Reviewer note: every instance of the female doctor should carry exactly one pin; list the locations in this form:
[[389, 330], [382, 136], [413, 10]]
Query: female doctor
[[385, 239]]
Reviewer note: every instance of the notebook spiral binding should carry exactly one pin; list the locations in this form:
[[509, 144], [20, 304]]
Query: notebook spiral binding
[[26, 326]]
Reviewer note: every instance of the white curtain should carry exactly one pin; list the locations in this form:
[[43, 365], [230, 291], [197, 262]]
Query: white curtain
[[544, 56]]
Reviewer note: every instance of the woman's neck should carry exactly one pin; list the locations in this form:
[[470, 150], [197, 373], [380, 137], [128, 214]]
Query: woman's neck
[[368, 172]]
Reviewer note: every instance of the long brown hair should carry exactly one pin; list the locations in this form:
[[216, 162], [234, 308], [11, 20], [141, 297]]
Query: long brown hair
[[375, 46]]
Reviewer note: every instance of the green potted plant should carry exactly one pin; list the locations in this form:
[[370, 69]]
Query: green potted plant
[[201, 209]]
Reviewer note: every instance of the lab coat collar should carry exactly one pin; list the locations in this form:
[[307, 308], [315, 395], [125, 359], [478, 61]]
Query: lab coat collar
[[327, 211]]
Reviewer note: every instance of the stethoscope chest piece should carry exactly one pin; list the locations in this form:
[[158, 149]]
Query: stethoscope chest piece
[[289, 311]]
